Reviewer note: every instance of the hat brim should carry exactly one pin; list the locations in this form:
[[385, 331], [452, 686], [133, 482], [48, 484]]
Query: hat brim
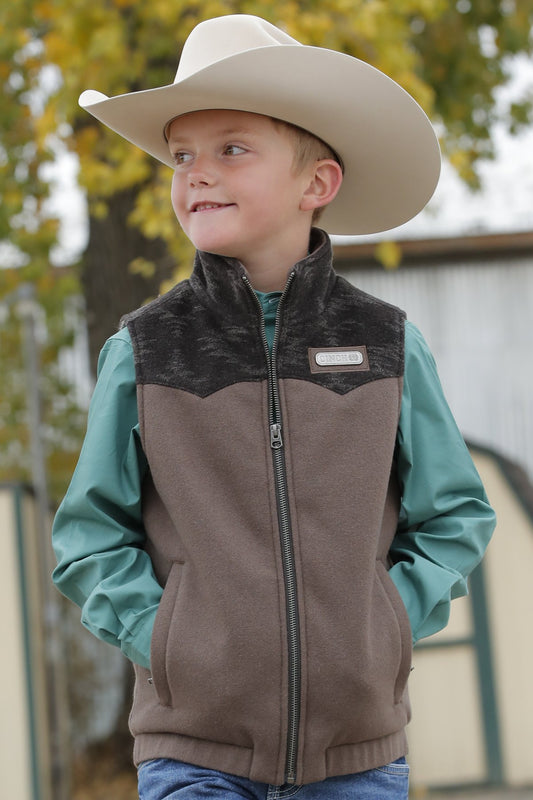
[[389, 150]]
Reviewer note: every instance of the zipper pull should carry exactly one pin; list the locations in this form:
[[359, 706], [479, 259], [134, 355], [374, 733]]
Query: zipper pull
[[276, 440]]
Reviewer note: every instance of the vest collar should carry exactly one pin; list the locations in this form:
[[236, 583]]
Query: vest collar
[[219, 281]]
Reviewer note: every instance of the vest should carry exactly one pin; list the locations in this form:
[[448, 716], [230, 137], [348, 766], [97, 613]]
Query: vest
[[281, 648]]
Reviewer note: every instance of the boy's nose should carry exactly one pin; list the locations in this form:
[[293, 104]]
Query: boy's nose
[[199, 180], [200, 174]]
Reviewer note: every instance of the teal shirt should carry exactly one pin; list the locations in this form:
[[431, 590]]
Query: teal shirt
[[269, 304], [445, 520]]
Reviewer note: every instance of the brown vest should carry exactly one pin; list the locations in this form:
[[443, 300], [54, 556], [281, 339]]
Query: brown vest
[[281, 648]]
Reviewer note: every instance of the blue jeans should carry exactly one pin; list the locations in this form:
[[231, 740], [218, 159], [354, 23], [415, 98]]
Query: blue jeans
[[165, 779]]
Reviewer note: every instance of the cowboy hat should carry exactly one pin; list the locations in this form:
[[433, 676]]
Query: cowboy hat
[[387, 146]]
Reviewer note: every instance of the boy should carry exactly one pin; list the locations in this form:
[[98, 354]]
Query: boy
[[273, 501]]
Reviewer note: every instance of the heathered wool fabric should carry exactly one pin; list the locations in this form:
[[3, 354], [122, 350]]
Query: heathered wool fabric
[[217, 694]]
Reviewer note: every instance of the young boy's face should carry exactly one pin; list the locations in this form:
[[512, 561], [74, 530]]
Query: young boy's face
[[235, 191]]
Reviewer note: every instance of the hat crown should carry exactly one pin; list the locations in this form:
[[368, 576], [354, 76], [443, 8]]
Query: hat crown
[[222, 37]]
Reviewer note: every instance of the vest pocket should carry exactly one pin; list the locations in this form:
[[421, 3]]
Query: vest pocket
[[404, 626], [159, 644]]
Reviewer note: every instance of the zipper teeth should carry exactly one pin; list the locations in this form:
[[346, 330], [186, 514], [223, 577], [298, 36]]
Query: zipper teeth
[[289, 570], [265, 346], [275, 391], [293, 627]]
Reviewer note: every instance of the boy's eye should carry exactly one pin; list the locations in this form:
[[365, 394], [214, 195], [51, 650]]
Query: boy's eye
[[233, 150], [181, 157]]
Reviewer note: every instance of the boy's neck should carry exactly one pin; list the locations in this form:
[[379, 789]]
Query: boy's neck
[[268, 272], [270, 279]]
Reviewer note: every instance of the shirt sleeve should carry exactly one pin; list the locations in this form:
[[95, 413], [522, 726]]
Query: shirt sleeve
[[98, 535], [445, 519]]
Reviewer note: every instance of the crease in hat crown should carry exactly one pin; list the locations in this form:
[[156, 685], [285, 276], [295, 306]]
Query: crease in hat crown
[[244, 63], [223, 37]]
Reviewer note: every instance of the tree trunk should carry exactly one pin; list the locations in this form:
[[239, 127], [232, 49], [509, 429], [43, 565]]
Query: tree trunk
[[110, 288]]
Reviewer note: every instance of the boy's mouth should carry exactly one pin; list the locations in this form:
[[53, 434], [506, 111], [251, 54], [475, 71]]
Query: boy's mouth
[[207, 206]]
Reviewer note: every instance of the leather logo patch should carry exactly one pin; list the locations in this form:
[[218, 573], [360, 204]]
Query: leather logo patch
[[338, 359]]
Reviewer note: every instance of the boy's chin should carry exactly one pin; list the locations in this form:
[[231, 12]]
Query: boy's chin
[[216, 248]]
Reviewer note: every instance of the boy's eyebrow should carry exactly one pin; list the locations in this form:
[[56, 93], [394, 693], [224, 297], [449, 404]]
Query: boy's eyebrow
[[232, 131]]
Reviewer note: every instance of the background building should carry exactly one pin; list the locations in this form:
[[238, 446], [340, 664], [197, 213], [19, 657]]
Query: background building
[[471, 689]]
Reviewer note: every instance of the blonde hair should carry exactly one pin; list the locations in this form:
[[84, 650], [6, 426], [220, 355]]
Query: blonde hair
[[308, 148]]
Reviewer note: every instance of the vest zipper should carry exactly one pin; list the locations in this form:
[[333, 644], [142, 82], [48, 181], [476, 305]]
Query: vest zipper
[[285, 531]]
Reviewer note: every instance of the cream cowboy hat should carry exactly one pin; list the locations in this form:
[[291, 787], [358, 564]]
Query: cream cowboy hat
[[385, 141]]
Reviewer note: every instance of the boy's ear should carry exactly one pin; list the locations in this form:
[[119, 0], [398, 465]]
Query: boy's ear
[[326, 180]]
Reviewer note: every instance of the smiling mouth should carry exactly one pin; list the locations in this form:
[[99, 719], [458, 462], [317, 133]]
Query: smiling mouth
[[208, 206]]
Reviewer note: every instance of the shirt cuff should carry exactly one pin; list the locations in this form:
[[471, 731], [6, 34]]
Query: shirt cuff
[[136, 646]]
